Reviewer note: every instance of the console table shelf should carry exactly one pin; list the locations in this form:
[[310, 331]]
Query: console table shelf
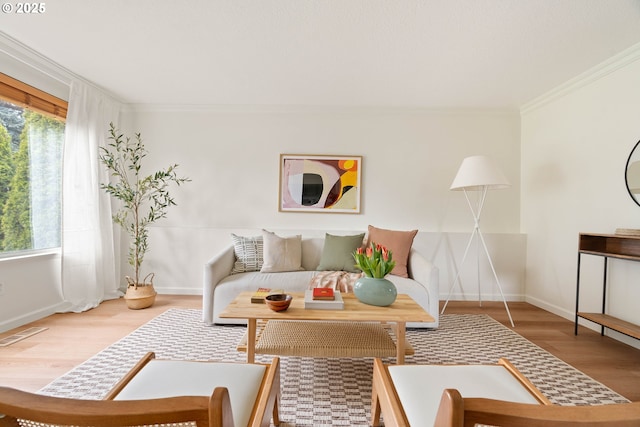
[[613, 323], [611, 245], [607, 246]]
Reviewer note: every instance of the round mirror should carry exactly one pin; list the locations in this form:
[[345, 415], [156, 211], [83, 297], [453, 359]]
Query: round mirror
[[632, 174]]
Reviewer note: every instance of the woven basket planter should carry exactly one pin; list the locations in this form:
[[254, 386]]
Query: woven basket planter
[[140, 295]]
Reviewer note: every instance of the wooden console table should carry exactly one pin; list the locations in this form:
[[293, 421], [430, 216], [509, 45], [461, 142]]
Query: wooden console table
[[607, 246]]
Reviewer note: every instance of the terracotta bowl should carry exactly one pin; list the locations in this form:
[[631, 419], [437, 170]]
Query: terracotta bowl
[[278, 302]]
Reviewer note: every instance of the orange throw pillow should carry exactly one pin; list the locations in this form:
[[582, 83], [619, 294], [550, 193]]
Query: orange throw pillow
[[398, 242]]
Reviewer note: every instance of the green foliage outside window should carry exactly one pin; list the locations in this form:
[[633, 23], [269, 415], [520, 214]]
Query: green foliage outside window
[[6, 172], [30, 179]]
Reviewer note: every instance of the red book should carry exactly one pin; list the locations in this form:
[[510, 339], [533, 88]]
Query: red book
[[323, 294]]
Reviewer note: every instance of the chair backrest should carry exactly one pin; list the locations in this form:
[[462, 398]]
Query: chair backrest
[[15, 405], [456, 411]]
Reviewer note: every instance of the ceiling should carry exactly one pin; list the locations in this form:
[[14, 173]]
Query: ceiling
[[497, 54]]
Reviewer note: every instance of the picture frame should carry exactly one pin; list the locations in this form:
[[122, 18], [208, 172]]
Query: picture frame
[[320, 183]]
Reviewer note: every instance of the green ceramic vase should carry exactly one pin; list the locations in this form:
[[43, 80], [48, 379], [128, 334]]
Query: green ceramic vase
[[374, 291]]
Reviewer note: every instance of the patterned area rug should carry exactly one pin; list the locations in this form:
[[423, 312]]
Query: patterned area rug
[[331, 391]]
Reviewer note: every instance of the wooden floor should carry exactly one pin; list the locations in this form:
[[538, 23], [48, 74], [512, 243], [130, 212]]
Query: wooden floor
[[72, 338]]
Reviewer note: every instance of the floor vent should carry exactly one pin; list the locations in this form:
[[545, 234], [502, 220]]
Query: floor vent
[[4, 342]]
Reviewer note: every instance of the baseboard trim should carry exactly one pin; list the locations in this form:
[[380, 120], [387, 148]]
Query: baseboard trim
[[557, 310], [485, 297], [20, 321], [178, 291]]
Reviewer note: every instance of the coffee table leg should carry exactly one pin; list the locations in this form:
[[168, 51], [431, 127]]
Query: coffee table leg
[[251, 340], [401, 328]]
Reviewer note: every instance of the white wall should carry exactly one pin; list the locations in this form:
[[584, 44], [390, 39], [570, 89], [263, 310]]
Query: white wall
[[410, 157], [574, 150], [409, 160], [29, 289]]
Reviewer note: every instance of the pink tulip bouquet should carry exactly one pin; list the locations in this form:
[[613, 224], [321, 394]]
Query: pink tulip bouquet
[[375, 261]]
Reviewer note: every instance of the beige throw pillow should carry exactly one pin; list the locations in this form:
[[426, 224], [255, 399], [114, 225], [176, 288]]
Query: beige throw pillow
[[398, 242], [281, 253]]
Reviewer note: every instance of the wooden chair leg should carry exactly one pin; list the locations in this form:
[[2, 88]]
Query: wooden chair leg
[[375, 400], [375, 409], [276, 413]]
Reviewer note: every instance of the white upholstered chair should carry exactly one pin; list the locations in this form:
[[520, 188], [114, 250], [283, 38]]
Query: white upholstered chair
[[253, 389], [409, 395], [157, 392]]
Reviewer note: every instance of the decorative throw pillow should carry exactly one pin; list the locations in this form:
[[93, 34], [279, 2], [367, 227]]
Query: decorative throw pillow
[[248, 252], [398, 242], [281, 253], [337, 253]]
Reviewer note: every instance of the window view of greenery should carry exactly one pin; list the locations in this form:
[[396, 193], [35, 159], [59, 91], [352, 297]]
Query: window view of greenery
[[30, 179]]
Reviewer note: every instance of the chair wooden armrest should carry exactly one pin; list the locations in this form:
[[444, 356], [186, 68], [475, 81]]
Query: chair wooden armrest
[[129, 375], [528, 385], [422, 387], [266, 408], [154, 378], [213, 411], [456, 411], [384, 398]]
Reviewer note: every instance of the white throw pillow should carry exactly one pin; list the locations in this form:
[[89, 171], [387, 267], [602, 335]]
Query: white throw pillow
[[281, 253]]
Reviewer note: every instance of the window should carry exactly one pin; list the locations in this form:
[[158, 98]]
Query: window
[[31, 143]]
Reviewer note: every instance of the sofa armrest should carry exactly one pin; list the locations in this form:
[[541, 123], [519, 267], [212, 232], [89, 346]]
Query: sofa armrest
[[216, 269], [427, 274]]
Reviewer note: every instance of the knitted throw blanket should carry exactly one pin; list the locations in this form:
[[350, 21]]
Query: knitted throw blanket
[[342, 281]]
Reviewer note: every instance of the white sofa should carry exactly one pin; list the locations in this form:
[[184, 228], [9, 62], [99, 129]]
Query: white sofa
[[221, 287]]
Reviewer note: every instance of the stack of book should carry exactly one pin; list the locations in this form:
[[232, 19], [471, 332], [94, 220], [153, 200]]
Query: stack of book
[[323, 299], [323, 294], [258, 296]]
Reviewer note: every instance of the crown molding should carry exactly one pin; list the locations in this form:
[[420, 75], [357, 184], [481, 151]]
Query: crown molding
[[601, 70], [29, 57], [33, 60], [309, 109]]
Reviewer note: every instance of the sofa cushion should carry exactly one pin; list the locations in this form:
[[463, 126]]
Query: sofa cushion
[[292, 281], [281, 253], [337, 253], [398, 242], [248, 252]]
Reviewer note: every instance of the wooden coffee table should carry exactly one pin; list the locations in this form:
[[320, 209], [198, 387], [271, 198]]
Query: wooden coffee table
[[403, 310]]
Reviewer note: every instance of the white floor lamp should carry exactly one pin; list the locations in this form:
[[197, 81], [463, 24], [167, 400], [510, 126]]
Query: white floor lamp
[[478, 173]]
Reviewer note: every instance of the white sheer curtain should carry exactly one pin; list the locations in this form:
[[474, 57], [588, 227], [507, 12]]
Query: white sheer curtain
[[89, 268]]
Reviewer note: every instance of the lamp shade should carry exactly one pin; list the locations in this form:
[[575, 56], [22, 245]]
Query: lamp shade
[[478, 172]]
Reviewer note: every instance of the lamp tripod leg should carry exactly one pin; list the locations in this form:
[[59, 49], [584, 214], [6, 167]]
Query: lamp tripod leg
[[457, 279], [478, 270], [495, 275]]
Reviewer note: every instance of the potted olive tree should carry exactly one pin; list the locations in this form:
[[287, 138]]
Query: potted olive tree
[[144, 200]]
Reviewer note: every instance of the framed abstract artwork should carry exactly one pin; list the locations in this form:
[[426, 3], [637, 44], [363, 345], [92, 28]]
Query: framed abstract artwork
[[317, 183]]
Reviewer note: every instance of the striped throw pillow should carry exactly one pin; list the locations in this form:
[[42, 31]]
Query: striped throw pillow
[[248, 252]]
